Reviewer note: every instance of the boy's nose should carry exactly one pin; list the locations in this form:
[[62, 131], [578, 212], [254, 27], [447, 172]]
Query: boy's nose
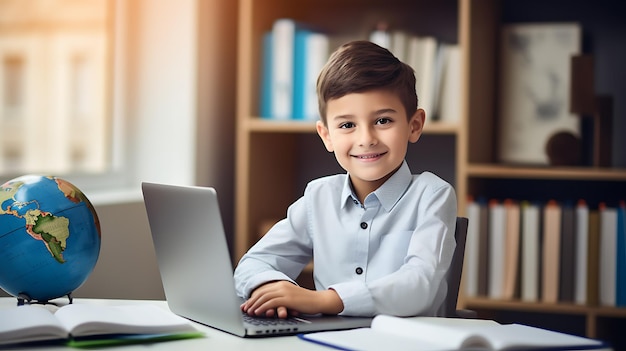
[[367, 137]]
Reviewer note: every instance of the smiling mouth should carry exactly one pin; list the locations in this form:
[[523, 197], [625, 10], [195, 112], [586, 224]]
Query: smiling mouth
[[369, 156]]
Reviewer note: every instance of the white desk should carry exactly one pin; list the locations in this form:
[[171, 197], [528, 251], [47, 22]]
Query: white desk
[[214, 339]]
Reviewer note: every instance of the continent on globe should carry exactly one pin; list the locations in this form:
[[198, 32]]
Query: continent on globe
[[43, 226], [53, 231]]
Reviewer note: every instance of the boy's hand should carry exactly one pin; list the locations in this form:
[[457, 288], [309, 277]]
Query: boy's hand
[[281, 298]]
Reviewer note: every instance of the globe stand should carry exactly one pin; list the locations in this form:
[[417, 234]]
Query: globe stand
[[23, 298]]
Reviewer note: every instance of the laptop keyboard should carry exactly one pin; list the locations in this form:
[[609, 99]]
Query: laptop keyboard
[[260, 321]]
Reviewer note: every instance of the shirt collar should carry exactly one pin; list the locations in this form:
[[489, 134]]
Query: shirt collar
[[388, 194]]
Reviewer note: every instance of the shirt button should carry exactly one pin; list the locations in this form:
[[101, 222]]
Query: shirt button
[[363, 225], [359, 270]]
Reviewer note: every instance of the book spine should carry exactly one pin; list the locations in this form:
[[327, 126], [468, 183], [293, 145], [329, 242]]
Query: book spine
[[551, 252], [512, 243], [448, 106], [483, 251], [282, 67], [608, 252], [530, 252], [311, 53], [567, 272], [620, 293], [593, 259], [319, 47], [582, 248], [266, 77], [300, 58], [497, 249]]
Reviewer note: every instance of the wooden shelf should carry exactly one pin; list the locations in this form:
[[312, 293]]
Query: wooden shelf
[[547, 172], [557, 308], [257, 124]]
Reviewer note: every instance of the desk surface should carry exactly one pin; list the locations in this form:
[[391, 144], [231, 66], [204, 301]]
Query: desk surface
[[214, 340]]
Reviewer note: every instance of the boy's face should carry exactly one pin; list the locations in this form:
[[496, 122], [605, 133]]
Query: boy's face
[[369, 133]]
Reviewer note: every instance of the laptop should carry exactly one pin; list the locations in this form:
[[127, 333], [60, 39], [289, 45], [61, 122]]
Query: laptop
[[196, 269]]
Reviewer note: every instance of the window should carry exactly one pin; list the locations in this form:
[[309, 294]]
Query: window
[[56, 87]]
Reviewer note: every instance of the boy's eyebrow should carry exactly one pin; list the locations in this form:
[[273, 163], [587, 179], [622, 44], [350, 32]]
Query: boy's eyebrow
[[375, 113], [385, 110]]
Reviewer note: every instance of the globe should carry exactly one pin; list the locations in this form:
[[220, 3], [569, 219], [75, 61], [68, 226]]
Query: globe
[[49, 237]]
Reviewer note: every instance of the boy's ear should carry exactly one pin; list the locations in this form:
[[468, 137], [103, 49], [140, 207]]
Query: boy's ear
[[416, 125], [322, 131]]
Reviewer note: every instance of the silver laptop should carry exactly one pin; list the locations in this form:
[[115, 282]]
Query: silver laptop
[[196, 269]]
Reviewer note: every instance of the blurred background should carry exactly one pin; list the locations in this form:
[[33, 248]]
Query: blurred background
[[109, 93]]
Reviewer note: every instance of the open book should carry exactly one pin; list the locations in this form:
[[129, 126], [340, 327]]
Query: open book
[[89, 325], [430, 333]]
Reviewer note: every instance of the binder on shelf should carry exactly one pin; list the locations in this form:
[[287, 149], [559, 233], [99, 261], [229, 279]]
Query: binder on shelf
[[421, 56], [608, 253], [399, 44], [311, 52], [497, 248], [567, 274], [581, 233], [530, 260], [283, 32], [620, 293], [483, 250], [551, 252], [449, 95], [593, 259], [265, 104], [512, 246]]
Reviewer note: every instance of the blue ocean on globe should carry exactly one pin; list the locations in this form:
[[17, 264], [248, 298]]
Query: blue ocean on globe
[[49, 237]]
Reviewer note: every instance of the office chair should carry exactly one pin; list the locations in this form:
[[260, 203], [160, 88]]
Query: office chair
[[453, 277]]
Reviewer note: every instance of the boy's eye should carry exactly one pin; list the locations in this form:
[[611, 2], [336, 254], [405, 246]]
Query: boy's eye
[[383, 120], [346, 125]]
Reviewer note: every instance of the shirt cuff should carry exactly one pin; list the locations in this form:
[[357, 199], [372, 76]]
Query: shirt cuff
[[356, 298], [262, 278]]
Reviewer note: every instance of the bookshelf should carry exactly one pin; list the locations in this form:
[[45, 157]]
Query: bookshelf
[[484, 176], [276, 159]]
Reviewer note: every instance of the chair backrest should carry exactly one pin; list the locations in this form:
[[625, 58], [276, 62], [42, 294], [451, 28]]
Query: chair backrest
[[456, 268]]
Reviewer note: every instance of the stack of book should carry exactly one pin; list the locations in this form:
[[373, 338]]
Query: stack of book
[[550, 252], [294, 53], [293, 56], [437, 67]]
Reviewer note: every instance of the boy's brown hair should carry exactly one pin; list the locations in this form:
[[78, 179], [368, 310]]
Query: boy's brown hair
[[359, 66]]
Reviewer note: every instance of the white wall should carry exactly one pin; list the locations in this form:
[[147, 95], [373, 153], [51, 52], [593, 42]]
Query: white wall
[[180, 96], [163, 61]]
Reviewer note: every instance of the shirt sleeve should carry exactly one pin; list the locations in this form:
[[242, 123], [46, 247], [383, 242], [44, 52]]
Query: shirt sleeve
[[280, 254], [418, 287]]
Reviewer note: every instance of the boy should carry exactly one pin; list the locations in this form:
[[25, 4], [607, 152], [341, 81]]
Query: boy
[[381, 238]]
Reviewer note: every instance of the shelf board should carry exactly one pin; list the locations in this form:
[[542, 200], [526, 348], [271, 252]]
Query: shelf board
[[257, 124], [547, 172], [564, 308]]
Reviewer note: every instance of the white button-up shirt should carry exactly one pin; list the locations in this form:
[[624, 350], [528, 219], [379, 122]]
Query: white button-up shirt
[[388, 255]]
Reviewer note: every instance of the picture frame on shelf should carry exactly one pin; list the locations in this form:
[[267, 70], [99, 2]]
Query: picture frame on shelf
[[534, 89]]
